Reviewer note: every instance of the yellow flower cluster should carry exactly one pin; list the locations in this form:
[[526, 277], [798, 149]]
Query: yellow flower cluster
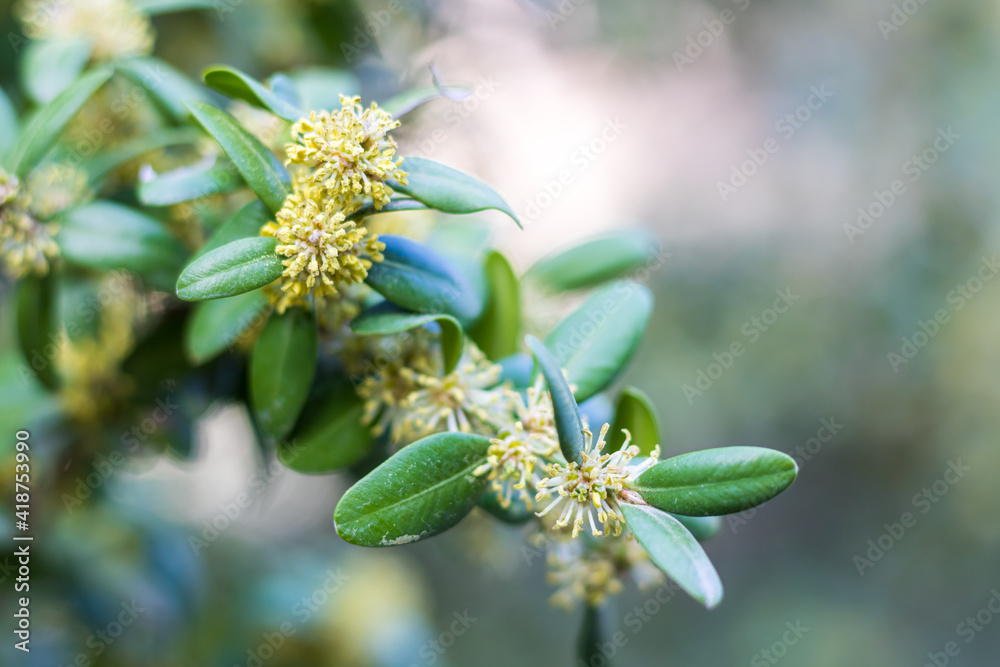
[[322, 248], [350, 153], [26, 244], [115, 28]]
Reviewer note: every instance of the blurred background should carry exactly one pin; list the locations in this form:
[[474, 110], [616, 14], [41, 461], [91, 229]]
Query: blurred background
[[820, 179]]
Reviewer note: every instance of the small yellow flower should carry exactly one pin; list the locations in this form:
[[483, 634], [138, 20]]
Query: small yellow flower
[[350, 152], [466, 400], [595, 484], [116, 28], [322, 249], [589, 576], [387, 374], [519, 449], [54, 188]]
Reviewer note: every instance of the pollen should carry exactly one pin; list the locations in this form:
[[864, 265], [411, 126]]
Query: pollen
[[26, 243], [350, 152]]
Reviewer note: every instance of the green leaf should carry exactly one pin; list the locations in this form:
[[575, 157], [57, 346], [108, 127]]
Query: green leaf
[[45, 126], [714, 482], [106, 236], [37, 331], [407, 101], [330, 435], [516, 513], [449, 190], [153, 7], [417, 278], [596, 342], [517, 368], [319, 88], [386, 318], [702, 527], [261, 169], [10, 127], [422, 490], [569, 426], [675, 551], [216, 176], [238, 85], [217, 325], [282, 368], [635, 412], [594, 262], [245, 223], [131, 149], [394, 205], [49, 66], [169, 88], [235, 268], [498, 331]]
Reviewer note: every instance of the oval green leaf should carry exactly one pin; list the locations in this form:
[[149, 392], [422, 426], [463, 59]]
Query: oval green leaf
[[594, 262], [419, 279], [235, 268], [424, 489], [245, 223], [103, 235], [386, 318], [395, 204], [675, 551], [498, 331], [37, 332], [448, 190], [43, 130], [217, 325], [569, 426], [216, 176], [330, 435], [718, 481], [260, 168], [596, 342], [49, 66], [238, 85], [635, 413], [702, 527], [282, 368]]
